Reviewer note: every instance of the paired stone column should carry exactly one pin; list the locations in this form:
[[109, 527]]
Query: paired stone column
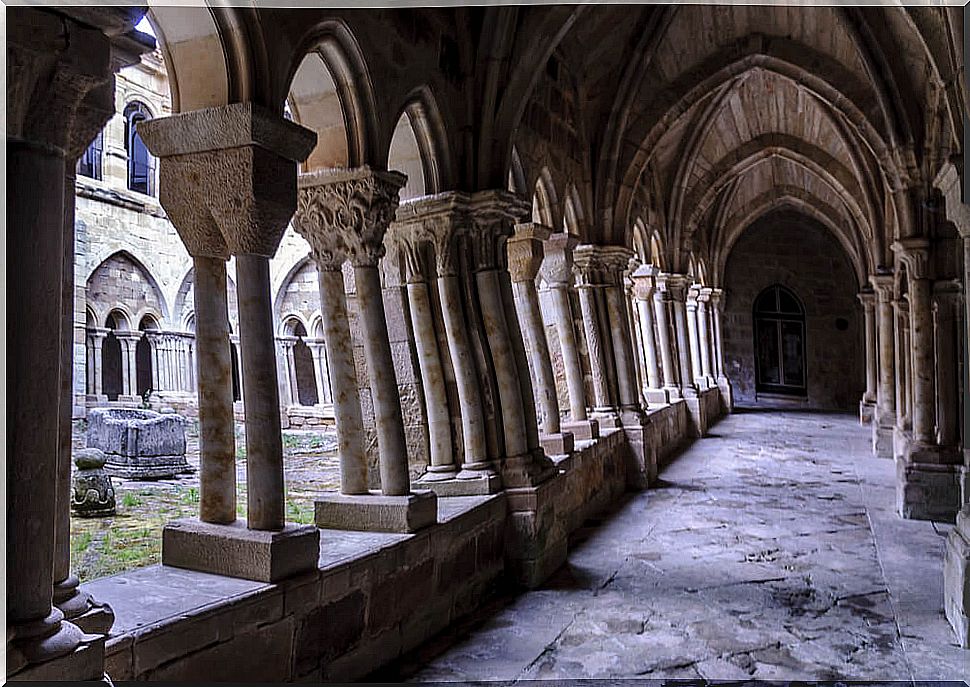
[[677, 287], [704, 334], [867, 405], [662, 300], [98, 335], [557, 268], [346, 213], [59, 88], [321, 369], [291, 397], [228, 181], [644, 286], [693, 336], [525, 255], [885, 418], [587, 268], [914, 253], [615, 260], [129, 372]]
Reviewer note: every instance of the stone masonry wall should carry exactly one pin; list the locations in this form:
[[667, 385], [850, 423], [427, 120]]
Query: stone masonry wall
[[791, 250]]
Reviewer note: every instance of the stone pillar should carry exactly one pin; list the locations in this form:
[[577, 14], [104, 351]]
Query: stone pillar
[[525, 254], [97, 341], [882, 428], [902, 353], [615, 261], [321, 370], [58, 71], [947, 305], [587, 269], [557, 268], [693, 337], [128, 374], [723, 383], [868, 402], [442, 459], [677, 287], [643, 291], [704, 333], [291, 394], [493, 214], [346, 213], [227, 177], [152, 338], [661, 303]]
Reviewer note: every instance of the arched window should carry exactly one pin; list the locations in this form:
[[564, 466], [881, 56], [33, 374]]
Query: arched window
[[779, 342], [111, 375], [141, 164], [89, 164]]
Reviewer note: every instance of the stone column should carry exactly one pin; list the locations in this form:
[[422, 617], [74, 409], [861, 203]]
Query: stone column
[[152, 338], [412, 243], [902, 353], [947, 304], [97, 341], [89, 363], [914, 253], [615, 261], [661, 303], [525, 254], [704, 333], [693, 337], [723, 383], [228, 176], [314, 222], [291, 396], [885, 417], [129, 342], [867, 405], [587, 269], [557, 267], [56, 68], [321, 370], [643, 291], [677, 288]]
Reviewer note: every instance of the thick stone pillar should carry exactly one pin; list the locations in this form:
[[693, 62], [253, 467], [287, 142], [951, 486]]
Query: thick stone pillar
[[723, 383], [643, 292], [947, 306], [914, 253], [355, 207], [662, 300], [885, 418], [227, 177], [867, 405], [587, 269], [525, 255], [557, 268]]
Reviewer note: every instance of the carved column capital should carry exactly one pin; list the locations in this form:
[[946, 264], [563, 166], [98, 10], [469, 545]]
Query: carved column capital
[[588, 267], [958, 212], [525, 250], [947, 296], [492, 216], [442, 220], [644, 281], [227, 176], [717, 299], [675, 285], [557, 263], [883, 285], [914, 253], [867, 298]]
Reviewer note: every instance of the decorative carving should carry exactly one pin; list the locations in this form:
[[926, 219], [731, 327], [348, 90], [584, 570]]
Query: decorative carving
[[644, 282], [525, 250], [93, 495]]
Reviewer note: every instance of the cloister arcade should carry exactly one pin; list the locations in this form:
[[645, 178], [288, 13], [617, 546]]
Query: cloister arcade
[[521, 255]]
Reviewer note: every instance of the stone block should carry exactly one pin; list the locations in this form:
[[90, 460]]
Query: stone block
[[657, 397], [882, 440], [235, 551], [582, 430], [375, 512], [927, 491], [329, 631], [84, 664], [481, 485], [139, 444], [867, 411], [956, 579], [557, 444]]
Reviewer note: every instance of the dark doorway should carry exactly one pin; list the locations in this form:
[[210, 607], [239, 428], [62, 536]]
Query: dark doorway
[[779, 342], [143, 359], [111, 378], [306, 381]]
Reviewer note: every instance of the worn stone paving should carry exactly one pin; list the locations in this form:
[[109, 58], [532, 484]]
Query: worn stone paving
[[769, 550]]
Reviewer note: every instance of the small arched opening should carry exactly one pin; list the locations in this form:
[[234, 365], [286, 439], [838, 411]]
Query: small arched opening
[[111, 359], [141, 163], [144, 377], [779, 331], [303, 373]]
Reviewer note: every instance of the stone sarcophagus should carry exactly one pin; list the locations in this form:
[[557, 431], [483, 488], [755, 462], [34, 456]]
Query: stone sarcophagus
[[139, 444]]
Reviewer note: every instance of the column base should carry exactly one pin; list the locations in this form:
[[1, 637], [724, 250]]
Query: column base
[[882, 440], [476, 484], [656, 397], [536, 540], [436, 473], [84, 664], [697, 413], [376, 512], [526, 470], [80, 608], [557, 444], [146, 467], [727, 394], [607, 418], [867, 412], [641, 468], [236, 551], [582, 430], [956, 578], [927, 489]]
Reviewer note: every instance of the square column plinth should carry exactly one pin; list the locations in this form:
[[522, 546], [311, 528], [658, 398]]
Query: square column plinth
[[558, 444], [582, 430], [927, 490], [375, 512], [479, 485], [236, 551]]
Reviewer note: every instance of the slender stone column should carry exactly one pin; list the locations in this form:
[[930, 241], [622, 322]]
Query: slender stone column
[[693, 337], [643, 291], [97, 341], [89, 363], [587, 269], [152, 338], [661, 302], [903, 359], [558, 270], [677, 288], [228, 178], [723, 383], [947, 303], [328, 249], [914, 253], [291, 396], [882, 284], [321, 371], [616, 259], [704, 333], [442, 463], [868, 300]]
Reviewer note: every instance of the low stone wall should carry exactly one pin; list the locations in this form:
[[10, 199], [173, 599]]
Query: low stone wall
[[670, 431], [375, 595]]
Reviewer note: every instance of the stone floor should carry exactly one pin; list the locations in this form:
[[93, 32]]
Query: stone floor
[[770, 550]]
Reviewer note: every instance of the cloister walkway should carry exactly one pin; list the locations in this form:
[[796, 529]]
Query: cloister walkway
[[769, 550]]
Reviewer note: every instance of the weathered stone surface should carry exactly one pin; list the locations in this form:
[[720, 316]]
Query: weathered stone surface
[[139, 444], [92, 494], [235, 551], [376, 512], [956, 579]]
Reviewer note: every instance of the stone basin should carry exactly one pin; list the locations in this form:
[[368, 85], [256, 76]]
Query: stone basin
[[139, 444]]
